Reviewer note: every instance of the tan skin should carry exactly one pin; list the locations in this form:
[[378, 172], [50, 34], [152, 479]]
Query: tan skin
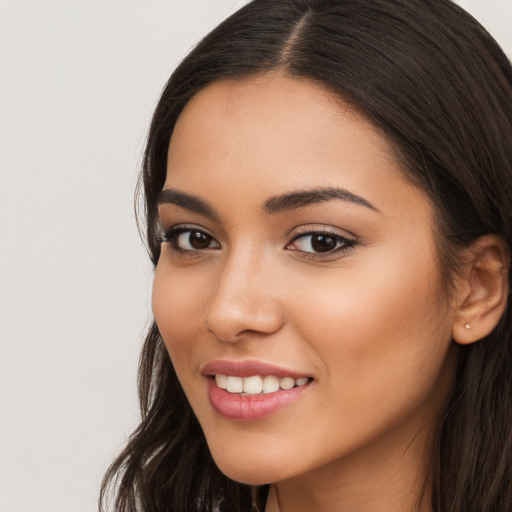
[[363, 313]]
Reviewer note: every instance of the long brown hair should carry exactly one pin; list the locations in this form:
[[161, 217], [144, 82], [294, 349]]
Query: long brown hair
[[440, 88]]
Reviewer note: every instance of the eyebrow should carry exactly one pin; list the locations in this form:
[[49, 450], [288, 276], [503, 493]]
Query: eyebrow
[[302, 198], [272, 206], [187, 201]]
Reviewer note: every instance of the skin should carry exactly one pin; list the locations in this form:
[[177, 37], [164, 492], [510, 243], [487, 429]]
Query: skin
[[369, 323]]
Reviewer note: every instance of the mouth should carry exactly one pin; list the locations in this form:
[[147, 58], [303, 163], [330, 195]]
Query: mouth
[[257, 384], [251, 390]]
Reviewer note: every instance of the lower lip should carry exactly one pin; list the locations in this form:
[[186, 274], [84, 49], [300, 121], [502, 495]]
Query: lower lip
[[255, 407]]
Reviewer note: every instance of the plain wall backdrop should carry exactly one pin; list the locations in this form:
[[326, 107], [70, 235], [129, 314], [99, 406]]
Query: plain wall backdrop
[[78, 82]]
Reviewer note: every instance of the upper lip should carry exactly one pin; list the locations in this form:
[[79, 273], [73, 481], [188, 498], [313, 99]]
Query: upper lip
[[247, 369]]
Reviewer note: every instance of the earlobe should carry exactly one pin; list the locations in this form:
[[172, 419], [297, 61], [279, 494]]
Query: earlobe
[[482, 290]]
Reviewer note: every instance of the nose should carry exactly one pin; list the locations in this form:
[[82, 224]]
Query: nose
[[244, 302]]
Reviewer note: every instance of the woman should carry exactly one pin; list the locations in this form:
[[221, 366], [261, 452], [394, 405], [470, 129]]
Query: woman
[[327, 189]]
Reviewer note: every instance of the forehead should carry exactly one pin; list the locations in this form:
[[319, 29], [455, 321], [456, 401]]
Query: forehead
[[270, 134], [275, 107]]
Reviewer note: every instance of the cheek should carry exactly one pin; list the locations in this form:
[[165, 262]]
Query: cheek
[[179, 312], [380, 326], [381, 343], [178, 308]]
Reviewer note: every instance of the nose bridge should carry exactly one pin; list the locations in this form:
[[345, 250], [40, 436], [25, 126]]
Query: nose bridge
[[244, 299]]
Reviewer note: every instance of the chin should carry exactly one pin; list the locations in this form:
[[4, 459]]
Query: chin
[[250, 471], [248, 476]]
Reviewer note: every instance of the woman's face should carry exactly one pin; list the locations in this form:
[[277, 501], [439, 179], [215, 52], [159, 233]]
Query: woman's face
[[297, 254]]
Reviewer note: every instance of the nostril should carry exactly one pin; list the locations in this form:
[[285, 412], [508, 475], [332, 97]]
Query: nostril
[[238, 336]]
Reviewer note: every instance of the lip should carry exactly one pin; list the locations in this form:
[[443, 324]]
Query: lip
[[255, 407], [248, 369], [251, 407]]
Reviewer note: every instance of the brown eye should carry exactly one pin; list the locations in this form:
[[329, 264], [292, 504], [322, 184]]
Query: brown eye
[[323, 243], [199, 240], [320, 243], [183, 239]]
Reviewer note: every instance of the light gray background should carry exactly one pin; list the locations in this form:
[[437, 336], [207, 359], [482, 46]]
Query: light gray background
[[78, 81]]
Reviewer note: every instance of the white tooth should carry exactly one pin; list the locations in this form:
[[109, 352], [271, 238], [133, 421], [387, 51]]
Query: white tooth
[[221, 381], [253, 385], [287, 383], [270, 384], [235, 384], [302, 381]]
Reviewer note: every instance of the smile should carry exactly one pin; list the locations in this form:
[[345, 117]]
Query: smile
[[252, 390], [256, 384]]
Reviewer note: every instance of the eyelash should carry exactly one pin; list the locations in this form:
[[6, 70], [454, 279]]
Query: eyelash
[[342, 244]]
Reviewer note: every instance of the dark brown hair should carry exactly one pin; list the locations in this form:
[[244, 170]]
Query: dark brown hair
[[440, 88]]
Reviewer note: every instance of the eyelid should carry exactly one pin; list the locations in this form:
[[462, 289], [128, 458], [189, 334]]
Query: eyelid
[[182, 226], [307, 229]]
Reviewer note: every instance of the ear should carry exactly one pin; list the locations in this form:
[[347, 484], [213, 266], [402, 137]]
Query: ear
[[482, 289]]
